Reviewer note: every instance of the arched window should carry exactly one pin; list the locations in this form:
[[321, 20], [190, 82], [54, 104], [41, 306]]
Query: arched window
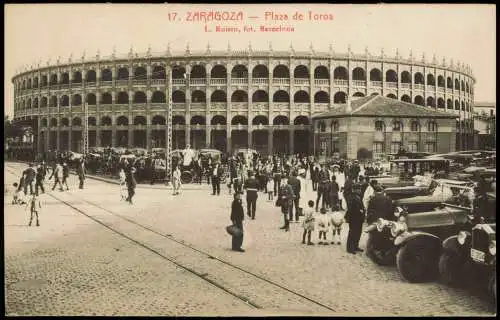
[[260, 96], [158, 73], [301, 72], [178, 97], [218, 72], [122, 98], [301, 97], [219, 96], [379, 126], [321, 126], [106, 98], [140, 97], [281, 71], [396, 125], [158, 97], [198, 96], [335, 126], [415, 126], [375, 75], [431, 126]]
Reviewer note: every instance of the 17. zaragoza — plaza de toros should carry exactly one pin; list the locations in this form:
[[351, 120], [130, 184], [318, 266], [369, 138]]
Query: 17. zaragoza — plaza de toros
[[224, 99]]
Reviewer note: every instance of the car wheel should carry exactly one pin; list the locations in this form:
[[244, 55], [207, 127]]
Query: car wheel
[[449, 268], [417, 262], [378, 256]]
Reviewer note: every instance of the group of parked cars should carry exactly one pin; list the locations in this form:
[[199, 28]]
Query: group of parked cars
[[444, 226]]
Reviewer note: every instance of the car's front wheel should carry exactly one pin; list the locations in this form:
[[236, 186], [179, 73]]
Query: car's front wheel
[[377, 255], [417, 262]]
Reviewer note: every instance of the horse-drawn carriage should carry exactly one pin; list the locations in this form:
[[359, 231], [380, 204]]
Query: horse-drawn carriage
[[194, 164]]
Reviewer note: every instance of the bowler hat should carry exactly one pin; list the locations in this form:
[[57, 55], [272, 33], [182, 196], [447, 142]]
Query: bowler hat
[[378, 188]]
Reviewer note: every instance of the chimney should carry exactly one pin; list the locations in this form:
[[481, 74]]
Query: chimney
[[348, 107]]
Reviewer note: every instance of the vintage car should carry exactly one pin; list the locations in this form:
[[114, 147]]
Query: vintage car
[[471, 256], [245, 154], [403, 171], [413, 240], [439, 191]]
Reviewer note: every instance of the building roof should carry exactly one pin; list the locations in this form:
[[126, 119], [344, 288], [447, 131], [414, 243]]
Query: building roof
[[484, 104], [379, 106]]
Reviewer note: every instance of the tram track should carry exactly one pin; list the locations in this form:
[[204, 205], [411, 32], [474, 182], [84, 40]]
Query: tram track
[[208, 261]]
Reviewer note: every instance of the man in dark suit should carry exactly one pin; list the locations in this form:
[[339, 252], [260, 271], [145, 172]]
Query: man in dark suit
[[355, 216], [237, 217], [252, 187], [379, 206], [216, 173], [294, 182], [323, 180]]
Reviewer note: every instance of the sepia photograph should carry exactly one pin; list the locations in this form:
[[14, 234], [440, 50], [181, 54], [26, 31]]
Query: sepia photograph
[[250, 160]]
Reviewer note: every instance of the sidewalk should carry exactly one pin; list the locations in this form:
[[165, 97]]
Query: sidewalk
[[159, 185]]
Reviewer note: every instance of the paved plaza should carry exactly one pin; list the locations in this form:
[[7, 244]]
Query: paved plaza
[[97, 255]]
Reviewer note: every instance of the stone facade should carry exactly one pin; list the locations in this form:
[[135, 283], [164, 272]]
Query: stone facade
[[221, 100]]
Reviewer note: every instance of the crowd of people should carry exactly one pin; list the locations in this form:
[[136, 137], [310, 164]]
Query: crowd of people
[[342, 193]]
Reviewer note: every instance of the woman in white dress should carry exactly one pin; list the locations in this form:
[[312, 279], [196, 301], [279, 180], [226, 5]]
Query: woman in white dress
[[123, 184], [176, 180]]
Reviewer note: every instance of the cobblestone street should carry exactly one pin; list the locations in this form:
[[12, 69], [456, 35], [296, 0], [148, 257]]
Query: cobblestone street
[[73, 265]]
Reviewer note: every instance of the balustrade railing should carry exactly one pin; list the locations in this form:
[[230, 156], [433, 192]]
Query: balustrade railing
[[340, 82], [198, 82], [218, 81], [391, 84], [260, 81], [322, 82], [376, 84], [359, 83], [301, 81]]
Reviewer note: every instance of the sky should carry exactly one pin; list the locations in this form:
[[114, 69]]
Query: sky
[[467, 33]]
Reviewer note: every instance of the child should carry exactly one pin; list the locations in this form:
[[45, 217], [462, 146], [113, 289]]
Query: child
[[308, 223], [336, 221], [270, 190], [323, 224], [17, 197], [34, 205]]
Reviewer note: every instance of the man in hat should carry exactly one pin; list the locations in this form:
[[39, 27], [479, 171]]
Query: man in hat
[[80, 170], [252, 187], [29, 176], [355, 216], [237, 217], [296, 186], [355, 169], [379, 206], [216, 173]]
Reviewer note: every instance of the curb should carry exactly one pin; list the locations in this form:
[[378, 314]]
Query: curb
[[140, 186]]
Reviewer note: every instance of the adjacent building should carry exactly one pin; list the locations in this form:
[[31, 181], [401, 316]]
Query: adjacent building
[[484, 117], [375, 125]]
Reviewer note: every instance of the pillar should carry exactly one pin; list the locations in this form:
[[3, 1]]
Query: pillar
[[270, 141], [58, 137], [187, 131], [208, 135], [228, 137], [148, 135], [70, 139], [130, 137], [113, 137], [250, 141], [39, 138], [291, 144]]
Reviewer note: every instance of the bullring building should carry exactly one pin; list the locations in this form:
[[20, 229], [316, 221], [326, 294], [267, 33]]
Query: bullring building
[[224, 99]]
